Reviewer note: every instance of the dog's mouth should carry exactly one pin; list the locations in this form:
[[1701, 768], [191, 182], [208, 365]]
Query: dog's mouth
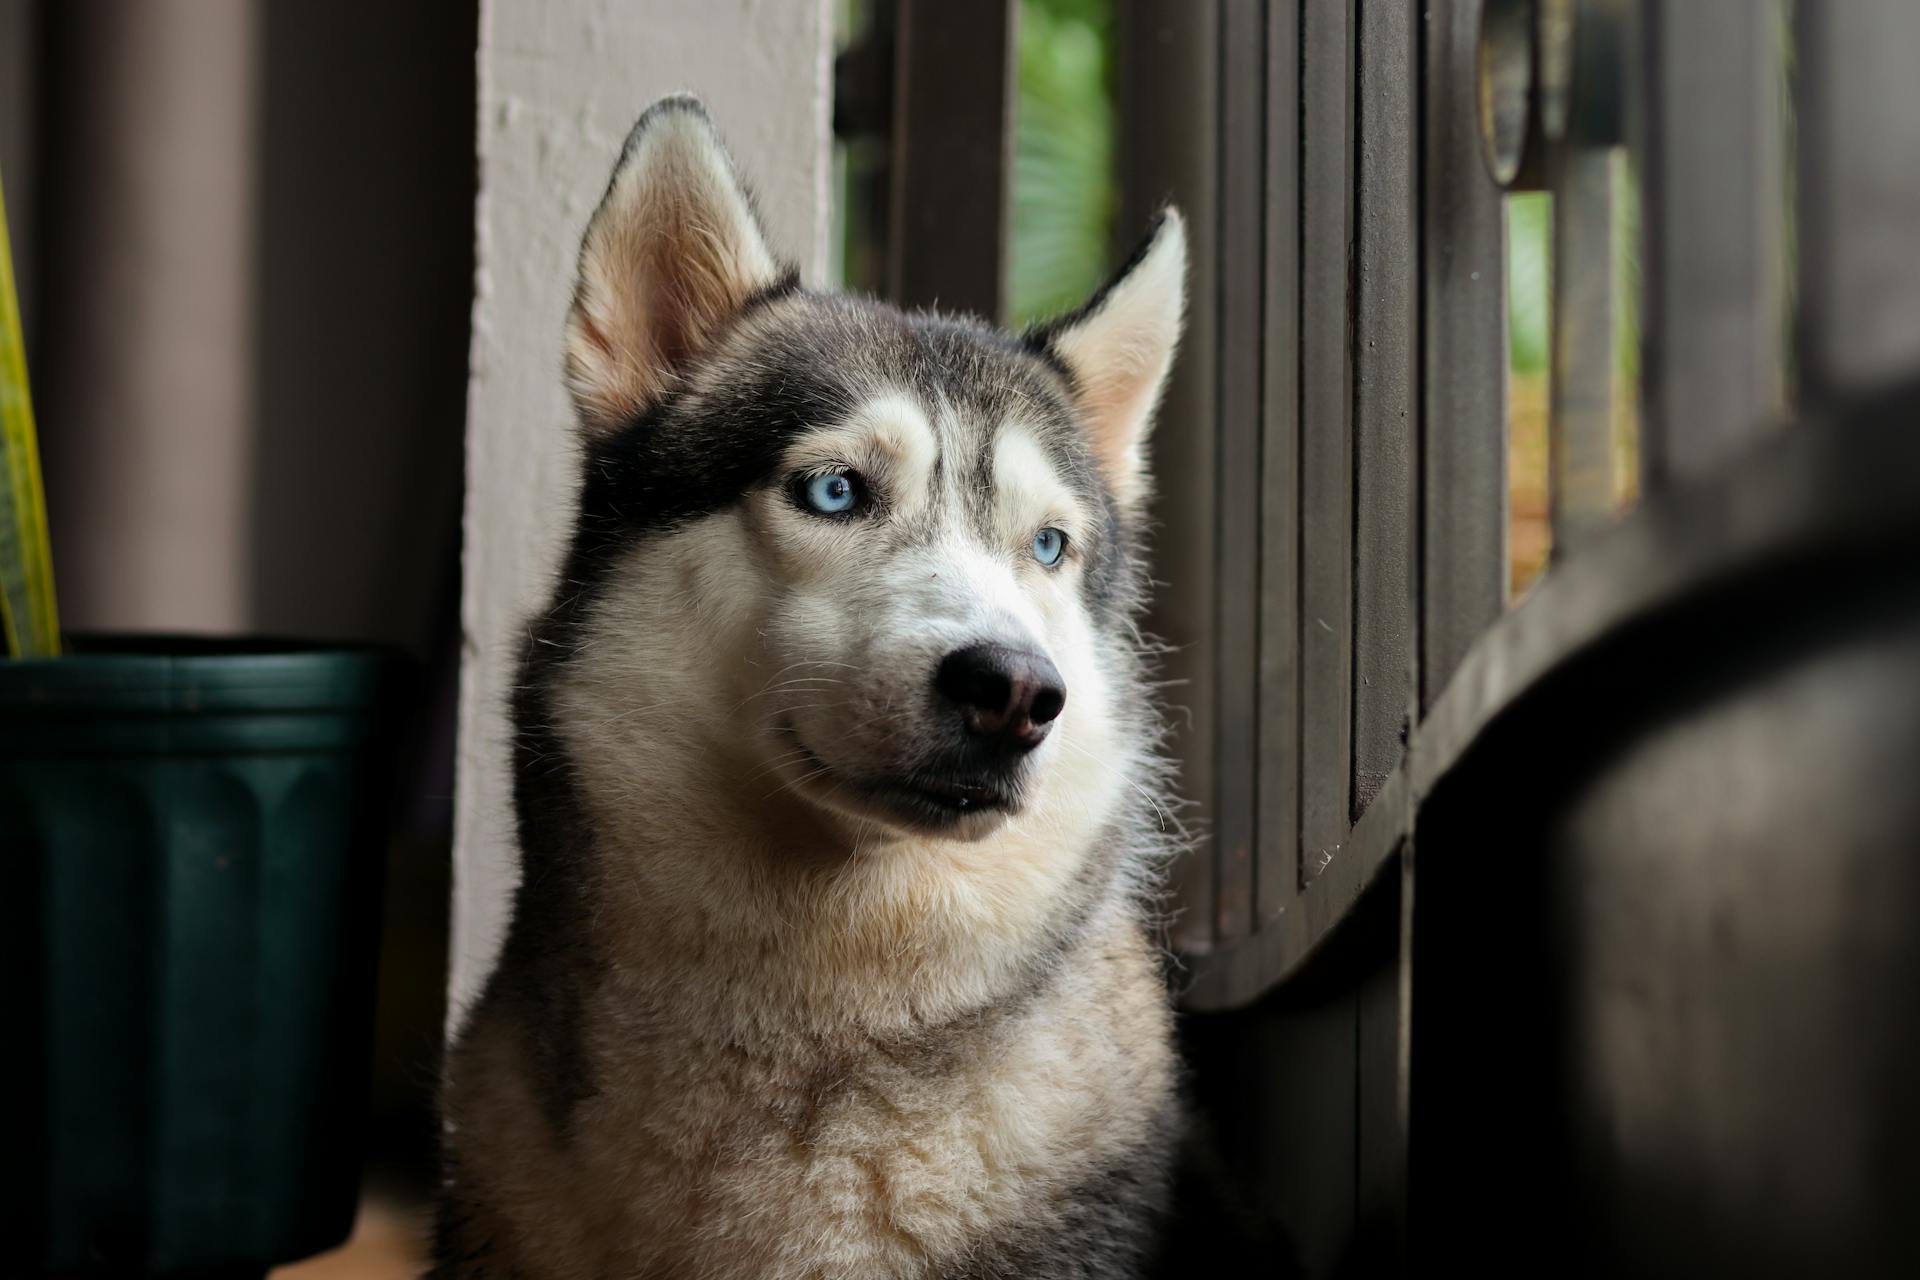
[[935, 800], [930, 799]]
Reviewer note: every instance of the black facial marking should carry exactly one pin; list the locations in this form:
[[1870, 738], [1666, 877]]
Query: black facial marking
[[796, 362], [688, 457]]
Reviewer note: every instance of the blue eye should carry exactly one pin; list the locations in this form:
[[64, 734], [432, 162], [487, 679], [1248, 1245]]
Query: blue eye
[[1048, 544], [831, 493]]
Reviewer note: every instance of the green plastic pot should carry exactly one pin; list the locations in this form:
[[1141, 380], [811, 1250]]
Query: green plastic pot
[[191, 834]]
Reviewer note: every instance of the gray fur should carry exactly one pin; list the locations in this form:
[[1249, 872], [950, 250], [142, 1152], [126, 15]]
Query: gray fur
[[752, 1017]]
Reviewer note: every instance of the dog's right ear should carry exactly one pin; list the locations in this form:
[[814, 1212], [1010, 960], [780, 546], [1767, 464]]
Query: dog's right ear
[[1119, 350], [672, 253]]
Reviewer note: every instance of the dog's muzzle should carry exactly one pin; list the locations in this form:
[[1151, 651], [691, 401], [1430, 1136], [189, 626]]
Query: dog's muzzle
[[1007, 699]]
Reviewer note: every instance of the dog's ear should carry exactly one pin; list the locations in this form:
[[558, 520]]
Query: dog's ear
[[1119, 347], [672, 253]]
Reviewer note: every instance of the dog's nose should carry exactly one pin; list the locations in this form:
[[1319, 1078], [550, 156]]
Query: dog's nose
[[1011, 696]]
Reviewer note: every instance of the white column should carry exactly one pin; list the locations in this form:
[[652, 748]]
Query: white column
[[560, 84]]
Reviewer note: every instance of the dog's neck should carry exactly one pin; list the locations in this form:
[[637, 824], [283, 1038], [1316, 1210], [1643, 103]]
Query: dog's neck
[[720, 898]]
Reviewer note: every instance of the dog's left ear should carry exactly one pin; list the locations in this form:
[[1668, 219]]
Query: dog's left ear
[[673, 252], [1118, 349]]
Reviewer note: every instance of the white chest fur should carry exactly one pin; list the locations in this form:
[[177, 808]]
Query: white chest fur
[[692, 1159]]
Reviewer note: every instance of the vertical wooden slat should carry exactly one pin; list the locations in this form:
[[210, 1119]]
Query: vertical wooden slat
[[1581, 435], [1859, 194], [1237, 507], [863, 100], [1168, 99], [1714, 338], [1326, 429], [954, 92], [1278, 806], [1463, 577], [1386, 260]]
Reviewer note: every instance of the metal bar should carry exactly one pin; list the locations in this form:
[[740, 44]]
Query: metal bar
[[1326, 440], [1463, 572], [954, 91], [1168, 103], [1713, 334], [1278, 807], [1581, 496], [1387, 263], [1237, 506], [1859, 190]]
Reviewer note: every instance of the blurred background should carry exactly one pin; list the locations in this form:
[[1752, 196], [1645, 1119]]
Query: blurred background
[[243, 239]]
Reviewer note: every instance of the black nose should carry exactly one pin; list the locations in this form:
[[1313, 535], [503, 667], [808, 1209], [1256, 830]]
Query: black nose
[[1009, 695]]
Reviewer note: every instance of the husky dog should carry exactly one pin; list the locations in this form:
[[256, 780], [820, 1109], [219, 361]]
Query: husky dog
[[833, 952]]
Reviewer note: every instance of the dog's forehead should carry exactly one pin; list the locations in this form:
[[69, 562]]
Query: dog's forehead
[[802, 366], [955, 385]]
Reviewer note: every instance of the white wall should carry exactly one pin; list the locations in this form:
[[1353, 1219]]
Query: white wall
[[561, 81]]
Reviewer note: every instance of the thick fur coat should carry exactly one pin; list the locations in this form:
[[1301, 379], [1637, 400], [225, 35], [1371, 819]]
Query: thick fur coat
[[829, 958]]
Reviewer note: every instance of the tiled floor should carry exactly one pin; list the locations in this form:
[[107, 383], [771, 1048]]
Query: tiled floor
[[389, 1243]]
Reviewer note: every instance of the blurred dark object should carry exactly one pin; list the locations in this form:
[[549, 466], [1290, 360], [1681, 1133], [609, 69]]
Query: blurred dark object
[[1664, 938], [244, 234], [194, 831]]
